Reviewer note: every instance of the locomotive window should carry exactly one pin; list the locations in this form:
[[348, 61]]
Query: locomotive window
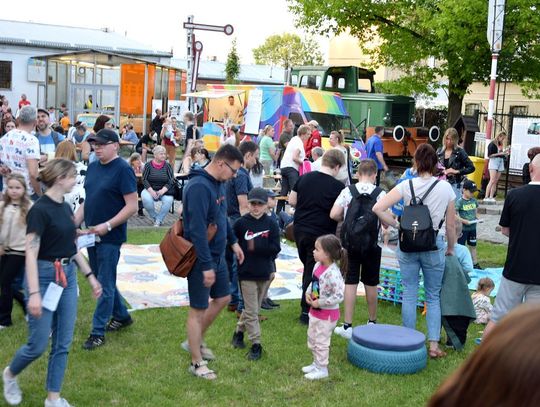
[[341, 83], [310, 81], [364, 85], [294, 80]]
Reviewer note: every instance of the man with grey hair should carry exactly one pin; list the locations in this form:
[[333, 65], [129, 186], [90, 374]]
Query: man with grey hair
[[316, 156], [520, 218], [19, 151]]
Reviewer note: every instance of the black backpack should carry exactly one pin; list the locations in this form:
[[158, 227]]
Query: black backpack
[[416, 233], [360, 229]]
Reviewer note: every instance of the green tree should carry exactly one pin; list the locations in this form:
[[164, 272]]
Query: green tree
[[232, 68], [451, 31], [287, 50]]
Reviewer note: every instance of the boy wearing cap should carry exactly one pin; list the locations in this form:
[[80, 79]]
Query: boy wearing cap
[[258, 236], [466, 214]]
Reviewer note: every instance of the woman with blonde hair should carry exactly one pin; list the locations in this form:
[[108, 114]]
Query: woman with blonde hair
[[51, 283], [268, 153], [496, 154], [66, 149], [455, 160]]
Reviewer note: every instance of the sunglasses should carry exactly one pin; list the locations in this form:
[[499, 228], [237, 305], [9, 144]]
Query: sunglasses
[[101, 144]]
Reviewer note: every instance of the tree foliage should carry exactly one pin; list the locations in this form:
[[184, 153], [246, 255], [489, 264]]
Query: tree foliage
[[451, 31], [232, 68], [287, 50]]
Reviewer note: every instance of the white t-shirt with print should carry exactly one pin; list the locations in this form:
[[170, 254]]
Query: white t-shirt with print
[[344, 199], [296, 143], [16, 147], [437, 201]]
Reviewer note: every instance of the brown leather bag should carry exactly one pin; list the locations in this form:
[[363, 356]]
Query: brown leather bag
[[178, 253]]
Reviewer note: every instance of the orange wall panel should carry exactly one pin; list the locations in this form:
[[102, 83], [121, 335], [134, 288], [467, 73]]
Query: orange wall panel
[[132, 89]]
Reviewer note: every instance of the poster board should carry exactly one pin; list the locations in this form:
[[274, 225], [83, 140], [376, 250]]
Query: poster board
[[177, 108], [156, 104], [525, 134], [253, 112]]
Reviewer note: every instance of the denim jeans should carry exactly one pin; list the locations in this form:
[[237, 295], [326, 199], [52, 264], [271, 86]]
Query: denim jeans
[[149, 204], [432, 266], [61, 323], [103, 259], [232, 267]]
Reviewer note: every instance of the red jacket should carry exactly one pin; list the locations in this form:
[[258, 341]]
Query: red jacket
[[312, 142]]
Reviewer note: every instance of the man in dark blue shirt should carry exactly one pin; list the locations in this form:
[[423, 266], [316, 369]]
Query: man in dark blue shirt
[[237, 206], [204, 203], [375, 151], [111, 198]]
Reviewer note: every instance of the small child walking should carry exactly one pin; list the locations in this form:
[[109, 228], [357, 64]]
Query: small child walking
[[481, 301], [258, 236], [324, 295], [13, 211]]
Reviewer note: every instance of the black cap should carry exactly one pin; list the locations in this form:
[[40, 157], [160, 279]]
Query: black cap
[[40, 110], [469, 185], [258, 195], [104, 136]]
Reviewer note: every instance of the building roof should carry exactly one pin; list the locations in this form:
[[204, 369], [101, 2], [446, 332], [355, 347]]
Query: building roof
[[248, 73], [40, 35]]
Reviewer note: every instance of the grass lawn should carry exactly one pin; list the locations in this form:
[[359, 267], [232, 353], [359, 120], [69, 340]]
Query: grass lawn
[[145, 366]]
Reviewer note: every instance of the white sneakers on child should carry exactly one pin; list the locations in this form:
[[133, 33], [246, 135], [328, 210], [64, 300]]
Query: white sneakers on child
[[344, 333], [57, 403], [317, 374], [12, 391], [309, 368]]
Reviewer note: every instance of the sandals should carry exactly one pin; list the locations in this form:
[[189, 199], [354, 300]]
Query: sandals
[[200, 370], [436, 354]]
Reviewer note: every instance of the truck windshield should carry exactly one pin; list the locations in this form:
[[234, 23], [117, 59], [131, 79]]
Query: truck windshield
[[329, 122]]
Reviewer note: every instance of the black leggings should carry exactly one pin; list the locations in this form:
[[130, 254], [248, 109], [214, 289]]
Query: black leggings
[[305, 244], [11, 267]]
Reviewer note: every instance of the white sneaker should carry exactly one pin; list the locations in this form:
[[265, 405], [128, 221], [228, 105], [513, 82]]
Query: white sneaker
[[57, 403], [2, 327], [12, 391], [309, 368], [317, 374], [344, 333]]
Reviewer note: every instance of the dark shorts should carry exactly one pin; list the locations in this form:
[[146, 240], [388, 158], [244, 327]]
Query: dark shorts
[[370, 263], [198, 293], [468, 236]]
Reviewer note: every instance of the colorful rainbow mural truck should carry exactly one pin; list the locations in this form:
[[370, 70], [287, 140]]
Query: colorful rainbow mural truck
[[270, 105]]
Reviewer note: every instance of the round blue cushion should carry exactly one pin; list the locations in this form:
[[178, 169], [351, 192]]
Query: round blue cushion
[[386, 361], [388, 337]]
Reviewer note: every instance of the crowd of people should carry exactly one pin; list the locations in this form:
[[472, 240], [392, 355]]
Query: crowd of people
[[61, 205]]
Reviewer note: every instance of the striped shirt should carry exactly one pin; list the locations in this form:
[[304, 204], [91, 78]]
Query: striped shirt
[[158, 178]]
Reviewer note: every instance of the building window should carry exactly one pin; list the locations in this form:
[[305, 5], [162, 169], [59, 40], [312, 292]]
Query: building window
[[5, 74], [472, 109], [519, 110]]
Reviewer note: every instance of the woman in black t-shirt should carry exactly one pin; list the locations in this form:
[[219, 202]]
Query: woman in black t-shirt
[[51, 250]]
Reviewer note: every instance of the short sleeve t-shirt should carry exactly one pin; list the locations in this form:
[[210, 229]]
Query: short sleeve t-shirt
[[53, 222], [466, 209], [265, 145], [16, 147], [46, 143], [437, 201], [105, 186], [317, 193], [344, 199], [374, 145], [239, 185], [521, 213], [287, 160]]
